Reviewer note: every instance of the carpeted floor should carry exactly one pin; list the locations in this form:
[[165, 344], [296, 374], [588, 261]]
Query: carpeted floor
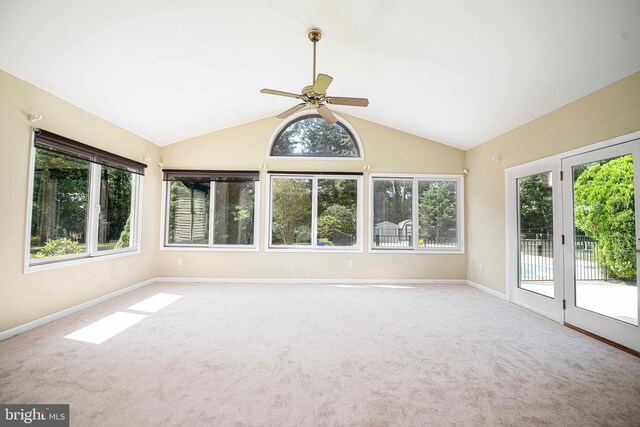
[[304, 355]]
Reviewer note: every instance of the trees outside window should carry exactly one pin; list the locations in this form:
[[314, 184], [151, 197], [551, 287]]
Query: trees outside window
[[392, 212], [84, 201], [59, 209], [437, 214], [291, 211], [337, 212], [311, 136], [317, 212], [420, 212], [605, 211], [233, 218], [604, 207], [211, 209], [116, 206]]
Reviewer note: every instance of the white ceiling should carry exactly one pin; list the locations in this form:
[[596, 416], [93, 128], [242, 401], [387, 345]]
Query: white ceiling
[[458, 72]]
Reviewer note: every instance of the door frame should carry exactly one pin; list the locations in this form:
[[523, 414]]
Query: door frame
[[510, 225], [607, 327]]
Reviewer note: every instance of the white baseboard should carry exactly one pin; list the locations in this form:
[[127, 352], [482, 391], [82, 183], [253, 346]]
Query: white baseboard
[[488, 290], [315, 281], [55, 316]]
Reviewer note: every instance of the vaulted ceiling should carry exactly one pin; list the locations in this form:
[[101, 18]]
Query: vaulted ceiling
[[457, 72]]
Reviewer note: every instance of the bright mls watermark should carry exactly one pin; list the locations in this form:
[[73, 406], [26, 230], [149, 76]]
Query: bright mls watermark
[[54, 415]]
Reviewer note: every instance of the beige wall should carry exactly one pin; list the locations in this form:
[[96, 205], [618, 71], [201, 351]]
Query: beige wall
[[245, 147], [607, 113], [25, 297]]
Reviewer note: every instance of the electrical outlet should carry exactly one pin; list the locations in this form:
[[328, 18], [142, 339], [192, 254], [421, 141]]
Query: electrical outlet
[[481, 267], [179, 261], [350, 263]]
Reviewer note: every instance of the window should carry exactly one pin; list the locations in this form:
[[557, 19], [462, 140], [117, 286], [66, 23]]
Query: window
[[211, 209], [392, 213], [422, 213], [84, 201], [309, 136], [315, 211]]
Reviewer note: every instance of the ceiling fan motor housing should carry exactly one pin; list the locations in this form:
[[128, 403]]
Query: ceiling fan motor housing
[[315, 35]]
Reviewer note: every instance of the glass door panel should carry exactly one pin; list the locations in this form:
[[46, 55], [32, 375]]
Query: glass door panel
[[601, 249], [604, 247], [535, 226], [534, 229]]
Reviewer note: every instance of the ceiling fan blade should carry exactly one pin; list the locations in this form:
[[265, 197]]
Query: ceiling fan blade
[[280, 93], [322, 83], [327, 115], [291, 110], [354, 102]]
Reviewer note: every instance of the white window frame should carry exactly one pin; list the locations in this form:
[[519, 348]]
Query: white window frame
[[416, 178], [93, 216], [295, 116], [314, 215], [209, 247]]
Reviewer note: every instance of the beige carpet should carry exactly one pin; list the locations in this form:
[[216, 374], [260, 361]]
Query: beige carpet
[[300, 355]]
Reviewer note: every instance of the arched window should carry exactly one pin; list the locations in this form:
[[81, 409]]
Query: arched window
[[310, 136]]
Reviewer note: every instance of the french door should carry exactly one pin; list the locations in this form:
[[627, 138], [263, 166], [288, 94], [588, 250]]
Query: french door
[[536, 268], [574, 240], [600, 208]]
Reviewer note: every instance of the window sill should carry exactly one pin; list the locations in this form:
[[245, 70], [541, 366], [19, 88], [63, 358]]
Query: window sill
[[416, 251], [52, 265], [313, 250], [208, 249]]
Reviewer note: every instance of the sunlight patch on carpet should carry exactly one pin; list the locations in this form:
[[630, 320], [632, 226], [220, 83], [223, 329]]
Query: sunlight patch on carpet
[[155, 303], [103, 329]]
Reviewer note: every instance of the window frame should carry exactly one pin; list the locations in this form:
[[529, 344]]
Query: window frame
[[93, 215], [416, 179], [296, 117], [209, 247], [314, 177]]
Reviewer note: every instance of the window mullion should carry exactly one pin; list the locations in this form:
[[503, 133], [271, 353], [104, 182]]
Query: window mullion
[[269, 216], [94, 209], [415, 217], [167, 211], [212, 202], [459, 214], [256, 213], [314, 212], [133, 212]]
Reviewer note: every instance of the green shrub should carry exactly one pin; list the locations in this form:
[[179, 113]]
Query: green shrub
[[336, 217], [123, 241], [57, 247], [605, 211]]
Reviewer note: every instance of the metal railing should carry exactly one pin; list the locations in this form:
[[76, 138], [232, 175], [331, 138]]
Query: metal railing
[[391, 241], [536, 259], [386, 240]]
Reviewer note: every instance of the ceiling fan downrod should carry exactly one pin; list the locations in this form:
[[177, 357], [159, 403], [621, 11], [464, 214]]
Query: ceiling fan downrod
[[315, 36]]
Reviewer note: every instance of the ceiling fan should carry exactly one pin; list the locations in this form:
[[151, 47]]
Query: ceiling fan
[[315, 95]]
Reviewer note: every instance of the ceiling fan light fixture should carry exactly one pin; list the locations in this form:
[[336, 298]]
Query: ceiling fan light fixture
[[315, 96]]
